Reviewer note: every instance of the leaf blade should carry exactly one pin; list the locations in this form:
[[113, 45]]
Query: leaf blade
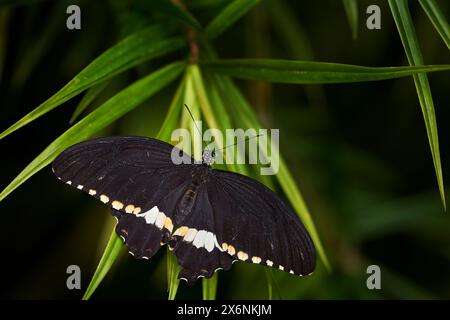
[[209, 289], [110, 254], [87, 99], [124, 55], [438, 19], [308, 72], [114, 108], [229, 15], [351, 10], [408, 37]]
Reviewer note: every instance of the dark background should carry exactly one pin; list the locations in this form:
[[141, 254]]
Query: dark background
[[359, 153]]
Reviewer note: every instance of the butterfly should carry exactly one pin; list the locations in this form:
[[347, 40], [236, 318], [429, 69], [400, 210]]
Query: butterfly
[[208, 218]]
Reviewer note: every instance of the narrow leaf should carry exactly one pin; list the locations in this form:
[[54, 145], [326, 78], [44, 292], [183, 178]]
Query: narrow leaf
[[111, 110], [90, 95], [172, 275], [173, 114], [351, 10], [306, 72], [38, 46], [408, 36], [209, 288], [110, 254], [227, 17], [437, 18], [175, 9], [274, 291], [131, 51], [224, 120]]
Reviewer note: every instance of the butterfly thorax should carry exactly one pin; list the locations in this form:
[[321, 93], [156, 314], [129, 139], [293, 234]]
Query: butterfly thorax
[[200, 175]]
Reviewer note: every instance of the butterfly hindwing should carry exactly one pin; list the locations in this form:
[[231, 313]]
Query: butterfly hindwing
[[196, 247], [142, 239]]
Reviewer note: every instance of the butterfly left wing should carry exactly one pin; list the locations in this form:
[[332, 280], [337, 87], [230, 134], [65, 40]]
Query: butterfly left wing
[[136, 178]]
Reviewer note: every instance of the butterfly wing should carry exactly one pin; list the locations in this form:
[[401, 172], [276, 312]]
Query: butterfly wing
[[195, 246], [254, 225], [237, 218], [136, 178]]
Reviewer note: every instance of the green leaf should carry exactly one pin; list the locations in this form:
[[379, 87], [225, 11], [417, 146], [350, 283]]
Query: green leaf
[[90, 95], [229, 15], [274, 291], [224, 121], [408, 36], [248, 119], [169, 124], [438, 19], [172, 275], [204, 104], [306, 72], [131, 51], [110, 254], [111, 110], [209, 288], [351, 10], [173, 114], [287, 26], [39, 46], [175, 9]]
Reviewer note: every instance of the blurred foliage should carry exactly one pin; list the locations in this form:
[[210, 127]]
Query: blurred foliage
[[358, 151]]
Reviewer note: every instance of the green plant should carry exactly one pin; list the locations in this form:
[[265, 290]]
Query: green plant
[[206, 86]]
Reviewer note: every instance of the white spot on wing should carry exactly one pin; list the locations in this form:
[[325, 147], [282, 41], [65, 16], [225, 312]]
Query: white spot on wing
[[150, 215], [117, 205], [256, 259], [190, 235], [104, 198], [199, 240], [160, 220], [209, 241]]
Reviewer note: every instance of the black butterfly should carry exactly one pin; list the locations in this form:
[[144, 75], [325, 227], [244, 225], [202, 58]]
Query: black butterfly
[[209, 218]]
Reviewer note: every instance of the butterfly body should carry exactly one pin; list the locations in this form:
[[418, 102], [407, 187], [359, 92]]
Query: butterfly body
[[209, 218], [199, 177]]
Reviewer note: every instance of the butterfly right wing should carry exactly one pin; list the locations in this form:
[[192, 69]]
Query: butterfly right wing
[[254, 225]]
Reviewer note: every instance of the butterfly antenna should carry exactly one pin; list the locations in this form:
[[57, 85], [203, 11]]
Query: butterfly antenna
[[195, 123], [258, 135]]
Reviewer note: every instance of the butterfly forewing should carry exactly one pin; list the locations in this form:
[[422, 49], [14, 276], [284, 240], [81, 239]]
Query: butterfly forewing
[[130, 174]]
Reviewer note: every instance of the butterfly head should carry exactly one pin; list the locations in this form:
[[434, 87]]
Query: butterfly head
[[208, 157]]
